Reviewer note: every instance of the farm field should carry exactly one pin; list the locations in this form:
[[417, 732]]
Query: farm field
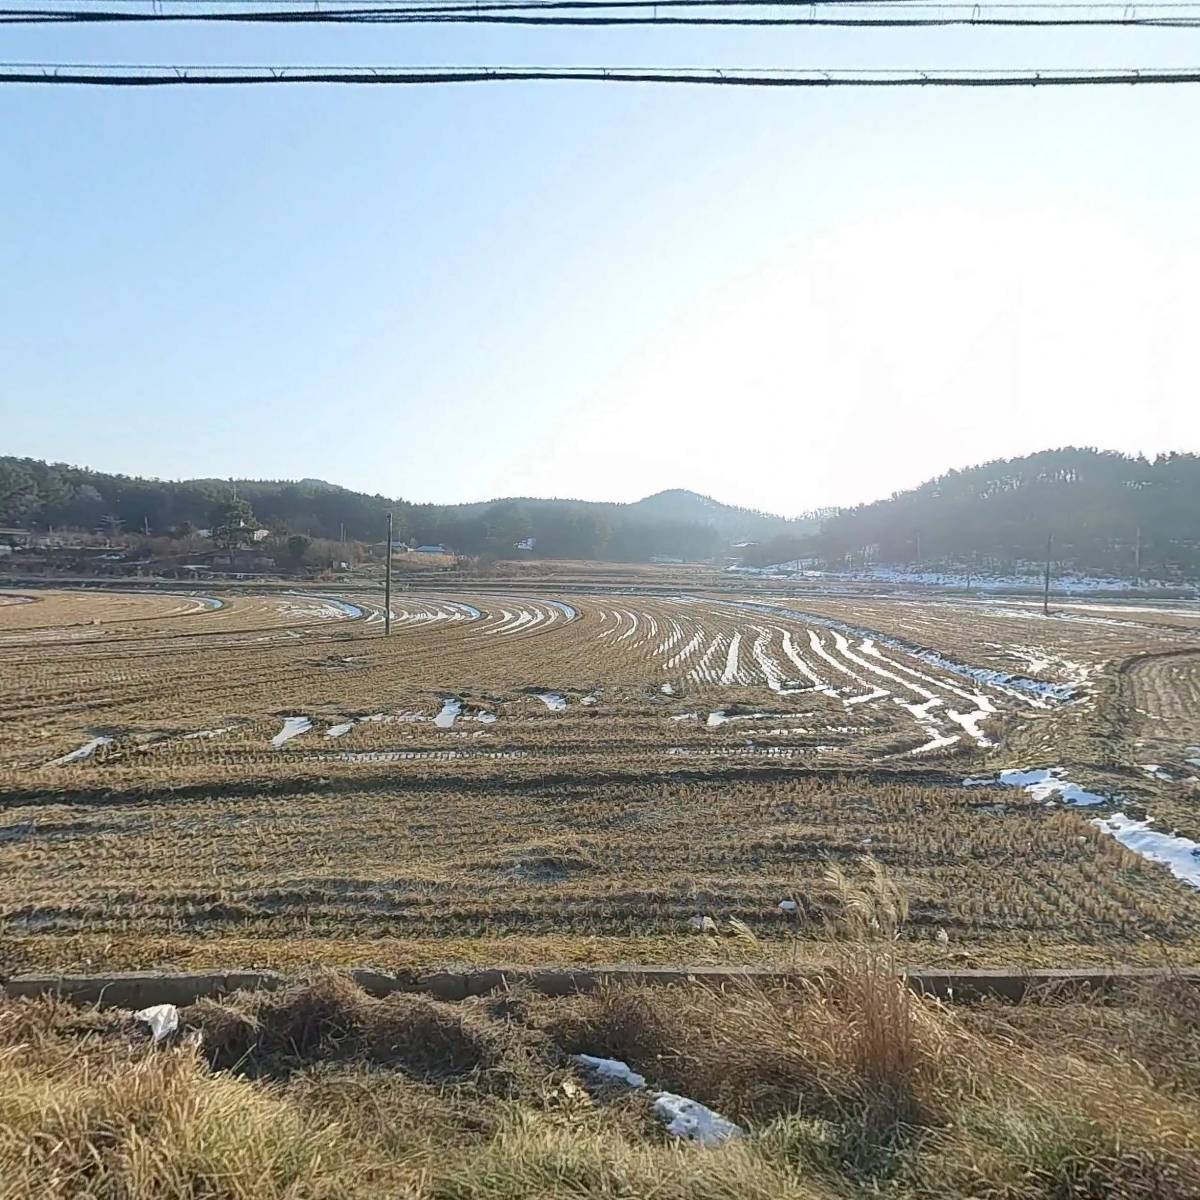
[[523, 773]]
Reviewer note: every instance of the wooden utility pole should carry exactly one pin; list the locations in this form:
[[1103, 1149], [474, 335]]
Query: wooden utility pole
[[1046, 589], [387, 583], [1137, 559]]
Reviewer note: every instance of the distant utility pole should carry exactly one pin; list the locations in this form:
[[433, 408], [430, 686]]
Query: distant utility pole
[[342, 539], [1046, 589], [387, 583], [1137, 559]]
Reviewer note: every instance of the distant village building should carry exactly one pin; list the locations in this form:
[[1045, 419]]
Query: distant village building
[[15, 537], [526, 543], [261, 535], [437, 548]]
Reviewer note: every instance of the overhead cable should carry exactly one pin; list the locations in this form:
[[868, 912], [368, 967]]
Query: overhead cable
[[144, 75]]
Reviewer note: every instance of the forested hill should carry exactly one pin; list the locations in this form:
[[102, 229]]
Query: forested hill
[[1099, 505], [673, 523]]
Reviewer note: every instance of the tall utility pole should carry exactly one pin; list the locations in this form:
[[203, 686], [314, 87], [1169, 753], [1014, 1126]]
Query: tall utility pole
[[1137, 559], [387, 583], [1046, 589]]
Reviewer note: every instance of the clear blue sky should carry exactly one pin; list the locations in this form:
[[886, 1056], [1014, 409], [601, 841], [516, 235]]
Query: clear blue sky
[[785, 299]]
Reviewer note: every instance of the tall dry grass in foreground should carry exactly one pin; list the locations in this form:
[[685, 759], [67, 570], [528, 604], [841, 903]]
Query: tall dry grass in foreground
[[845, 1089]]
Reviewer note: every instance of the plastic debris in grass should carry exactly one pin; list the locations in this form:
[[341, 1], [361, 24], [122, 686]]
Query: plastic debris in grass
[[84, 751], [703, 924], [292, 727], [163, 1020]]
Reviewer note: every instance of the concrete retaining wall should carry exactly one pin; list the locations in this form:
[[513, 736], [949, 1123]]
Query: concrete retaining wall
[[138, 989]]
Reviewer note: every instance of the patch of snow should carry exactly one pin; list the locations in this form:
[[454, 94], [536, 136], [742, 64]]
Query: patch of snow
[[611, 1069], [1156, 772], [84, 751], [703, 924], [336, 731], [684, 1118], [667, 690], [936, 742], [731, 674], [451, 711], [552, 700], [721, 717], [1180, 855], [787, 906], [1034, 691], [292, 727], [591, 698], [685, 717], [693, 1121], [208, 733], [484, 718], [1046, 784]]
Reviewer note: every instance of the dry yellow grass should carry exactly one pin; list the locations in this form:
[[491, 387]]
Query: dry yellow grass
[[619, 765], [842, 1090]]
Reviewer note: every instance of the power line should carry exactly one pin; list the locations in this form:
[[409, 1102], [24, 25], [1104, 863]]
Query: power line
[[126, 75], [966, 15]]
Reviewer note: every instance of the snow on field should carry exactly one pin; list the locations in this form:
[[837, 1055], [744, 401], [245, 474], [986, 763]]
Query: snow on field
[[1155, 772], [1180, 855], [684, 1118], [904, 576], [84, 751], [451, 711], [693, 1121], [292, 727], [1043, 783], [731, 674], [337, 731], [299, 607], [675, 659], [563, 608], [1035, 692], [721, 717], [703, 672], [552, 700], [611, 1069], [766, 664], [208, 733], [803, 667]]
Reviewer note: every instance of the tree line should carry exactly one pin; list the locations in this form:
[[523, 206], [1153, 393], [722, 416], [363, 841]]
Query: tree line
[[1107, 512], [43, 495]]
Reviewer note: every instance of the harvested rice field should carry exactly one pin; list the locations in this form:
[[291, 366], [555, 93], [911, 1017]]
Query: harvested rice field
[[531, 774]]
